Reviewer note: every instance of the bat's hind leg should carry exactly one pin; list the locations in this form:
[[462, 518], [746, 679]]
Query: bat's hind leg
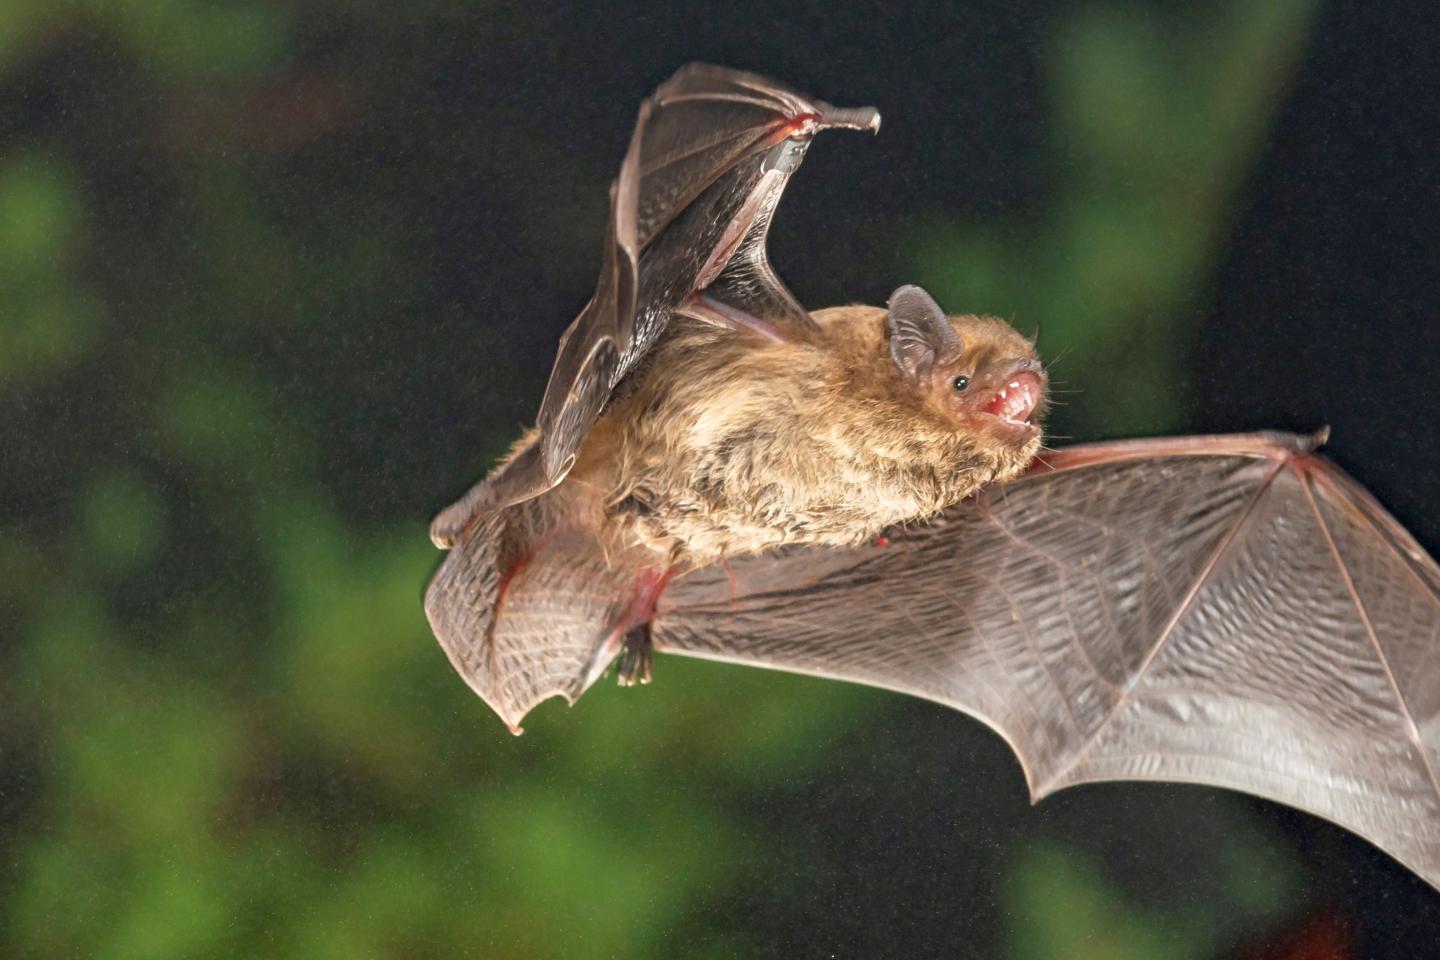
[[629, 635], [635, 657]]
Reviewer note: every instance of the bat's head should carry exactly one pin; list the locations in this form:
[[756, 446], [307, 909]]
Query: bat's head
[[979, 371]]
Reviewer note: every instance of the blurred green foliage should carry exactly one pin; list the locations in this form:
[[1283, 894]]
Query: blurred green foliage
[[49, 323], [226, 729]]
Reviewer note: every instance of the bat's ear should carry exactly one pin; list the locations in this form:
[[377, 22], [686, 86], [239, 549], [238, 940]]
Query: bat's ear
[[919, 333]]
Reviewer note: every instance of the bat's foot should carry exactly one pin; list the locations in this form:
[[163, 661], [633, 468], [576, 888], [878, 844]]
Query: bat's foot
[[635, 659], [637, 647]]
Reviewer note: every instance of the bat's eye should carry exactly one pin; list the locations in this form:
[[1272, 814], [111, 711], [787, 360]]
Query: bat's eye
[[960, 382]]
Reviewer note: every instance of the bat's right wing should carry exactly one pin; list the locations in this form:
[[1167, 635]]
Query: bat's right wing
[[1223, 610], [710, 155]]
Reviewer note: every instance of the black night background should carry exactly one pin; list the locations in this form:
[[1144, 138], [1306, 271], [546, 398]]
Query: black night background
[[278, 281]]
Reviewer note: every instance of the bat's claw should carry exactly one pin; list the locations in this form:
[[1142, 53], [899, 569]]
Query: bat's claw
[[635, 659]]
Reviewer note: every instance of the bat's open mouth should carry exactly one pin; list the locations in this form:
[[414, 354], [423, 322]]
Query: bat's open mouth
[[1016, 401]]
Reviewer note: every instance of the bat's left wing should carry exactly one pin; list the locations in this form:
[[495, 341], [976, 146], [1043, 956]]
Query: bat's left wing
[[712, 152], [1223, 610], [709, 158]]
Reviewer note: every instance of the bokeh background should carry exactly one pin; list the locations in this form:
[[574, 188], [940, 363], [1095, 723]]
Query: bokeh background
[[277, 281]]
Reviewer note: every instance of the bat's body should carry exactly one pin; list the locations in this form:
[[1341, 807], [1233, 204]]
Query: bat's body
[[719, 473], [727, 445]]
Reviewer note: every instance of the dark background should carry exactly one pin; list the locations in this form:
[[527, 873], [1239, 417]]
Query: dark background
[[277, 281]]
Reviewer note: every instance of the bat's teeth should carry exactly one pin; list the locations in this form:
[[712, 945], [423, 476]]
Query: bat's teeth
[[1016, 400]]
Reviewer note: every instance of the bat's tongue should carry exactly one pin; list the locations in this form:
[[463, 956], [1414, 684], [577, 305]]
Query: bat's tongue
[[1017, 399]]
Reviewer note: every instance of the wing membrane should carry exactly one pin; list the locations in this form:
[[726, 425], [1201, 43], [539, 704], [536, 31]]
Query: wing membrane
[[1227, 610]]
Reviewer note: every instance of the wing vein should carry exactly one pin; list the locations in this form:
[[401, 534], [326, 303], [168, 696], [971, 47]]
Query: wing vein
[[1394, 535], [783, 99], [1412, 732], [1167, 631], [1001, 669], [715, 95], [700, 146]]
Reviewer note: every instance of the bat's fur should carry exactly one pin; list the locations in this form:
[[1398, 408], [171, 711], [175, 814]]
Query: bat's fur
[[725, 444]]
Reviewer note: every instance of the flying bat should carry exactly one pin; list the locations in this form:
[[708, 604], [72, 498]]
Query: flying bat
[[861, 493]]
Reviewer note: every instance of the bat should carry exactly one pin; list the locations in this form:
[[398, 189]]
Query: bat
[[860, 494]]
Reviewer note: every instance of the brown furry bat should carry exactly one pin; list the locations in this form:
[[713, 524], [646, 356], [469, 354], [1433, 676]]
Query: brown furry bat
[[727, 444], [733, 421], [852, 495]]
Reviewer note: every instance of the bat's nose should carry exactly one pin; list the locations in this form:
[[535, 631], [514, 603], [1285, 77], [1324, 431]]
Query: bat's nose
[[1028, 365]]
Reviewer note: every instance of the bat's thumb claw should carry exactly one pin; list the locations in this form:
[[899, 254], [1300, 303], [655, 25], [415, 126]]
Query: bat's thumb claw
[[852, 118], [442, 537], [450, 524]]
